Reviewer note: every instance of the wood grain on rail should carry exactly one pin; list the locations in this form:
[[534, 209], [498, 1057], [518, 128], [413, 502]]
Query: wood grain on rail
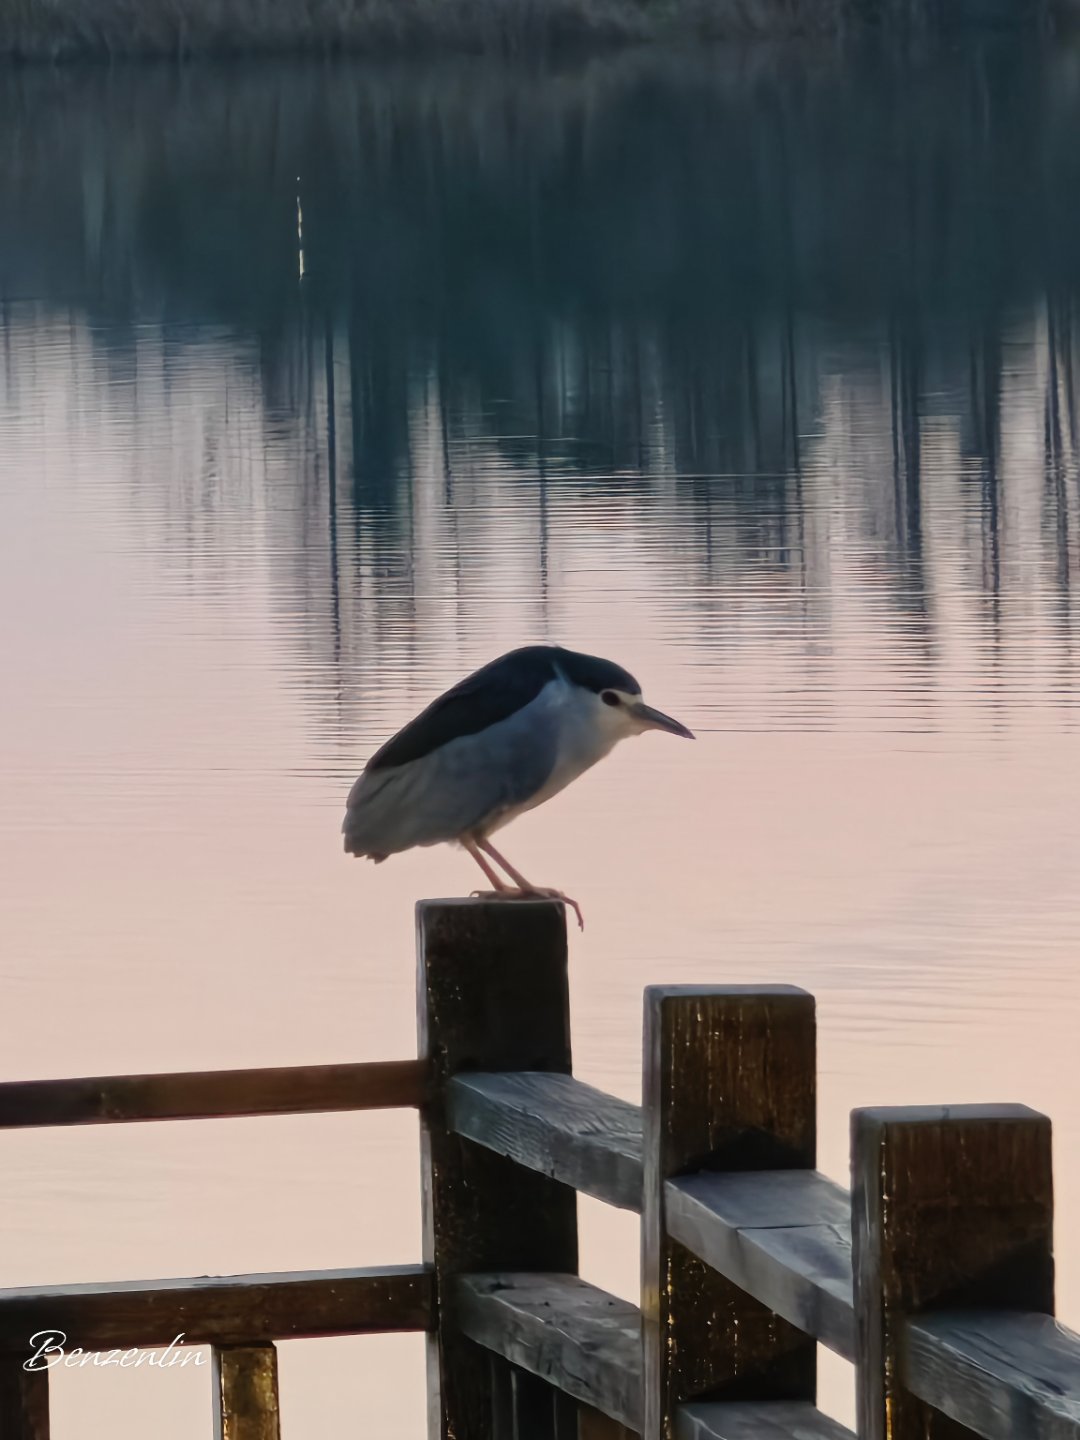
[[564, 1330], [783, 1236], [556, 1125], [764, 1420], [588, 1342], [1003, 1374]]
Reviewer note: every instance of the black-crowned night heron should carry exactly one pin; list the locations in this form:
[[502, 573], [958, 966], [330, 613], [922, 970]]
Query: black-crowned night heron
[[502, 741]]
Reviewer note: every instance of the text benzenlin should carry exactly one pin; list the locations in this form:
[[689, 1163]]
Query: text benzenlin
[[51, 1350]]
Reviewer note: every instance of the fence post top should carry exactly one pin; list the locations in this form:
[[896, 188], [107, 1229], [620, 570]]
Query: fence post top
[[657, 994], [473, 919], [880, 1117], [487, 902]]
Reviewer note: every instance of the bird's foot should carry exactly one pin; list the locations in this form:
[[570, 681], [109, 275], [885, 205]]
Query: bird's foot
[[544, 892], [533, 892]]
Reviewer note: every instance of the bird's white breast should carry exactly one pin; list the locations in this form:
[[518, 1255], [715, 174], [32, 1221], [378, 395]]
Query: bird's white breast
[[583, 738]]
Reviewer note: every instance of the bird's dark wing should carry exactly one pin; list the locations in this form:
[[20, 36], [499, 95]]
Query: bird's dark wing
[[480, 700]]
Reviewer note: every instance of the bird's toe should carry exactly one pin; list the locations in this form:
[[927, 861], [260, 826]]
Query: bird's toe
[[547, 893]]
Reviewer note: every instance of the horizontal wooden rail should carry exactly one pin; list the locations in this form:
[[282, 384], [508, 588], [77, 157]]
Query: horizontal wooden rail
[[210, 1094], [783, 1236], [588, 1343], [765, 1420], [1001, 1374], [934, 1275], [584, 1341], [222, 1309], [556, 1125]]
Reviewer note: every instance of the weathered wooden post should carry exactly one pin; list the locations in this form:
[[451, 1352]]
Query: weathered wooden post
[[492, 995], [245, 1392], [952, 1208], [24, 1399], [729, 1084]]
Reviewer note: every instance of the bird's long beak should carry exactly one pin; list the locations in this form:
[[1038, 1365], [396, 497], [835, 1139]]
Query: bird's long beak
[[657, 720]]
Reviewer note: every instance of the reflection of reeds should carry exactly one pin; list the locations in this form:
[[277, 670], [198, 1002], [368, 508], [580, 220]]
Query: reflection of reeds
[[733, 170], [61, 29], [677, 294]]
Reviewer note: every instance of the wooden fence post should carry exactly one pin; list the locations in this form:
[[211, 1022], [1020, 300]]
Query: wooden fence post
[[245, 1392], [491, 995], [24, 1399], [729, 1084], [952, 1208], [524, 1407]]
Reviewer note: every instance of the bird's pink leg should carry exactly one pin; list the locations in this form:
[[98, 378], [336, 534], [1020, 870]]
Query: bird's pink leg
[[498, 884], [525, 888]]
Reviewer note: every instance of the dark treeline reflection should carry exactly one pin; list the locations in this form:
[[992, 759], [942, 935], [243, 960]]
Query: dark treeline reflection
[[731, 292]]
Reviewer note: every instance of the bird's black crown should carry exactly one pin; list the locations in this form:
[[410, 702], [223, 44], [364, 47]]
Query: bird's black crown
[[592, 673]]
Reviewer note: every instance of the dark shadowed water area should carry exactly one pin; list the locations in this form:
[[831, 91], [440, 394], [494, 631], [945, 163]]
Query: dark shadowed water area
[[757, 371]]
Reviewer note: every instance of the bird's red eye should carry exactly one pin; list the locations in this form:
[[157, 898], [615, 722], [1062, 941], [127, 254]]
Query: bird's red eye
[[609, 697]]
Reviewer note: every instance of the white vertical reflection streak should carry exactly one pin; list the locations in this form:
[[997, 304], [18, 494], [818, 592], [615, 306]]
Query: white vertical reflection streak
[[299, 229]]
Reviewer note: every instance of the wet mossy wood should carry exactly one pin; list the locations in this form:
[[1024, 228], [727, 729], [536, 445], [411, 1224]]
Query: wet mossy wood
[[246, 1393], [24, 1398], [729, 1084], [492, 995], [952, 1209]]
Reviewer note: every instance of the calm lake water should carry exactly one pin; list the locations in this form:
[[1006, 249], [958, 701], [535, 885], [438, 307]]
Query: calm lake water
[[756, 371]]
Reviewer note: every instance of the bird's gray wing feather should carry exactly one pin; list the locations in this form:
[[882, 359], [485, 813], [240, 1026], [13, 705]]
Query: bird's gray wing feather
[[483, 699], [457, 789]]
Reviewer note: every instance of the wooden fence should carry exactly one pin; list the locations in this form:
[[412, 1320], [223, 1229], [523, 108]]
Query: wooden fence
[[934, 1276]]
